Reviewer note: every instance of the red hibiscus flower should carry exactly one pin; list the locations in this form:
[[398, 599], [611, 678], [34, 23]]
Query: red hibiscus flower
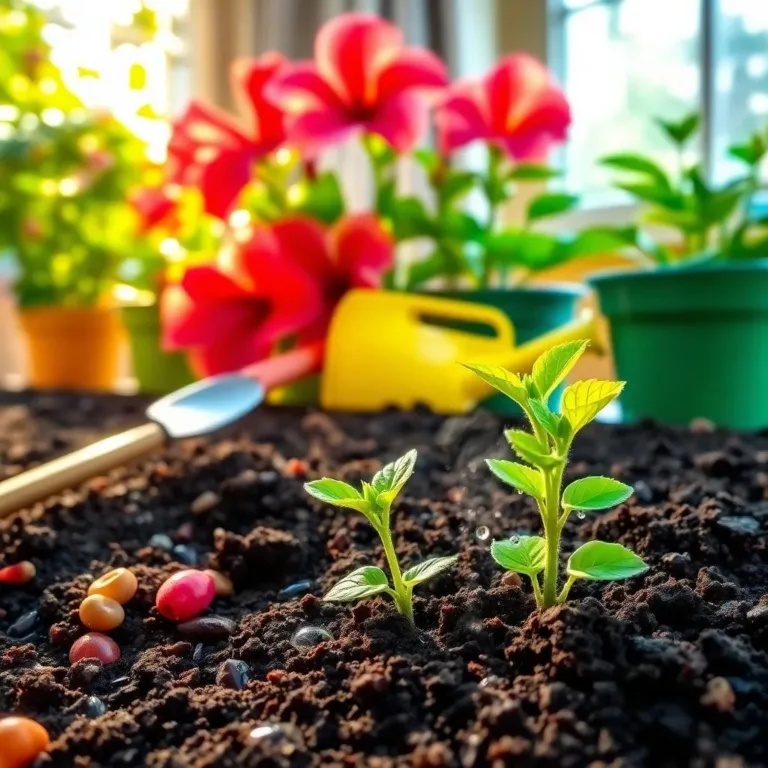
[[283, 283], [155, 205], [517, 106], [210, 150], [363, 77]]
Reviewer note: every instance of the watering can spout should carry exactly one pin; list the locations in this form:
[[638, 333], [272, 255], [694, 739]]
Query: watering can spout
[[521, 358]]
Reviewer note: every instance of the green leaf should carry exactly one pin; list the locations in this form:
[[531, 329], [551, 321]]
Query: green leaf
[[544, 416], [583, 400], [457, 225], [601, 561], [653, 193], [525, 479], [680, 132], [505, 381], [592, 493], [364, 582], [321, 198], [410, 218], [338, 493], [428, 569], [521, 554], [455, 185], [638, 164], [600, 240], [551, 368], [440, 263], [551, 204], [428, 159], [751, 153], [389, 481], [532, 172], [528, 448]]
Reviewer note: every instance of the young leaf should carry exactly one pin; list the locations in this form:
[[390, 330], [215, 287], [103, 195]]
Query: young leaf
[[532, 172], [551, 204], [680, 132], [525, 479], [428, 569], [592, 493], [601, 561], [544, 416], [364, 582], [522, 554], [500, 378], [389, 481], [638, 164], [555, 364], [529, 449], [583, 400], [338, 493]]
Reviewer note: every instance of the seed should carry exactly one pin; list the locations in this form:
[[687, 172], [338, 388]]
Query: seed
[[296, 468], [21, 741], [482, 533], [223, 584], [197, 655], [511, 579], [185, 555], [309, 637], [185, 595], [233, 674], [94, 646], [161, 541], [20, 573], [24, 624], [207, 628], [95, 707], [294, 589], [120, 585], [101, 614], [205, 502]]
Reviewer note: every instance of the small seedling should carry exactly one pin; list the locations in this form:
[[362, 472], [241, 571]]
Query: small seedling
[[375, 502], [545, 453]]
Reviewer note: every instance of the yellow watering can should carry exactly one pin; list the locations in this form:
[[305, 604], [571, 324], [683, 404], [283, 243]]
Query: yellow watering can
[[395, 349]]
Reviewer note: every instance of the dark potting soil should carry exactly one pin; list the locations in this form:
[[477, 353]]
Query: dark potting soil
[[669, 669]]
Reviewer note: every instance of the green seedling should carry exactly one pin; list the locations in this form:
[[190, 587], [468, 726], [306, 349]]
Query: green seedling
[[375, 502], [545, 453]]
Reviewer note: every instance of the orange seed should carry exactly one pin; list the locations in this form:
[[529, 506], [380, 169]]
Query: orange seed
[[101, 613], [119, 584], [21, 741], [223, 584]]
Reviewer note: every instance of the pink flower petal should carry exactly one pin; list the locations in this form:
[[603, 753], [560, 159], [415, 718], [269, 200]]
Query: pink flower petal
[[402, 120], [413, 68], [298, 88], [362, 250], [228, 355], [317, 129], [351, 50], [223, 178], [463, 117], [303, 242], [545, 125]]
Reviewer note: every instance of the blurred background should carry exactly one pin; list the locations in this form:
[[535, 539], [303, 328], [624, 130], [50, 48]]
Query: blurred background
[[620, 62]]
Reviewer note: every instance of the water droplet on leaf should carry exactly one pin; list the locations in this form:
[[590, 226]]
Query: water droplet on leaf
[[309, 637]]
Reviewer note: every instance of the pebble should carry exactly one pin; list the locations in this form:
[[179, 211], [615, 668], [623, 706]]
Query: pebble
[[24, 624], [276, 733], [185, 532], [101, 614], [20, 573], [309, 637], [185, 595], [207, 628], [197, 654], [719, 695], [161, 541], [95, 707], [740, 524], [701, 426], [21, 741], [233, 674], [185, 554], [297, 588], [223, 584], [95, 646], [511, 579], [119, 585], [205, 502]]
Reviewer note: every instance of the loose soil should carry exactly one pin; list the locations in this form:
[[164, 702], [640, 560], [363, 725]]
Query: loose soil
[[669, 669]]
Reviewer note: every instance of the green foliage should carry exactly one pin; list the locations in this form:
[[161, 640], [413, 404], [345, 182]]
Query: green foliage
[[374, 501], [710, 222], [545, 453]]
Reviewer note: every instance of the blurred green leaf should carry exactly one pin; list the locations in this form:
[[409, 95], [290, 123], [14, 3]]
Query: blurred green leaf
[[410, 219], [682, 131], [532, 172], [639, 165], [551, 204]]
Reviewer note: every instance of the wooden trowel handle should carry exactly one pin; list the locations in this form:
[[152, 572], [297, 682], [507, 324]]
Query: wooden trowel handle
[[69, 471]]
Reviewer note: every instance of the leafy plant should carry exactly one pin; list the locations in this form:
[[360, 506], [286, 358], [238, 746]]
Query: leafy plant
[[711, 221], [544, 452], [374, 501]]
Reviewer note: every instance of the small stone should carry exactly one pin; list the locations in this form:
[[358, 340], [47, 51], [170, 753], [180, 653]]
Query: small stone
[[511, 579], [185, 595], [185, 554], [161, 541], [758, 616], [95, 707], [309, 637], [233, 674], [210, 628], [270, 477], [95, 646], [678, 563], [276, 733], [741, 524], [701, 426], [24, 624], [205, 502], [246, 479], [185, 532], [292, 590], [719, 695], [643, 492], [197, 654], [223, 584]]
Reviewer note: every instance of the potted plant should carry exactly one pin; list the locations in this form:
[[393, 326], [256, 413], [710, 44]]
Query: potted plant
[[690, 329], [63, 218]]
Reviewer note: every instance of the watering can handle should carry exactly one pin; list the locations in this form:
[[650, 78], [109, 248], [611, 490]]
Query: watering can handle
[[451, 309]]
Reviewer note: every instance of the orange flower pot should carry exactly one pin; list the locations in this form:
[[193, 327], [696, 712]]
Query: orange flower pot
[[72, 348]]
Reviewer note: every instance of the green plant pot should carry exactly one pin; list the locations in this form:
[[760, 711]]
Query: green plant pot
[[532, 311], [156, 370], [691, 343]]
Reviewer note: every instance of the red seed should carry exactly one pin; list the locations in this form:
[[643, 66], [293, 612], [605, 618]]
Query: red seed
[[94, 646], [20, 573], [185, 595], [296, 468]]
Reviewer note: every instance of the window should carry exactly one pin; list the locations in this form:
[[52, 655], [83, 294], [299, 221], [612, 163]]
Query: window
[[624, 62]]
